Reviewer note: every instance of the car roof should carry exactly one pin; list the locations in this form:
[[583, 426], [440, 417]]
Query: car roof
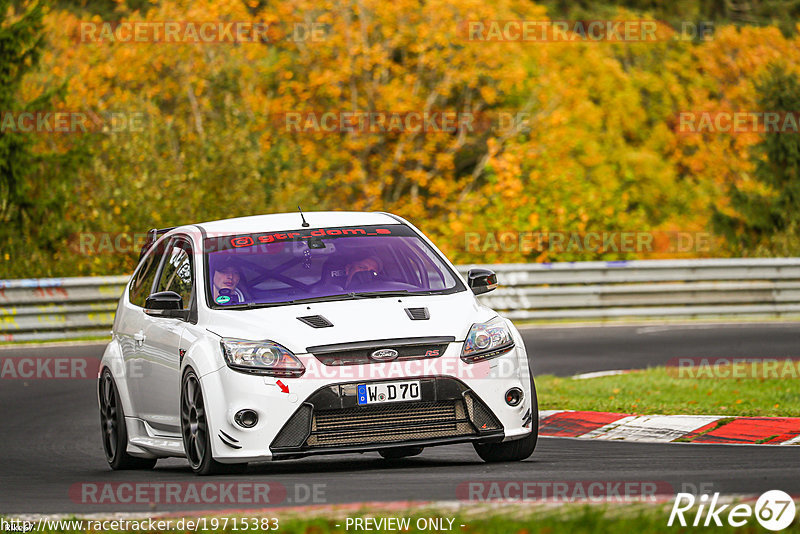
[[293, 221]]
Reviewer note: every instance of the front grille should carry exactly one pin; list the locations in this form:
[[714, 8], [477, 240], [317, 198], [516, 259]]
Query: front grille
[[386, 424], [359, 353], [331, 420]]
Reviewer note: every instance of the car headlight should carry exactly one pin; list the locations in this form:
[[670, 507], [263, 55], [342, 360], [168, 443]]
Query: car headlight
[[261, 358], [487, 340]]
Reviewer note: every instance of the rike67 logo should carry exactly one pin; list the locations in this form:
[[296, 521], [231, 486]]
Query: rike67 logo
[[774, 510]]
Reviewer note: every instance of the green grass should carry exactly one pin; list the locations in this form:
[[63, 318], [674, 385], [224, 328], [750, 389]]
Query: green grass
[[661, 391], [530, 519]]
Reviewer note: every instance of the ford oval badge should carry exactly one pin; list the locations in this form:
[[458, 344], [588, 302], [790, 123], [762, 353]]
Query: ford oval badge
[[384, 355]]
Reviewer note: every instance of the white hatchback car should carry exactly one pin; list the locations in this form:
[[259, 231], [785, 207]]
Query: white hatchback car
[[280, 336]]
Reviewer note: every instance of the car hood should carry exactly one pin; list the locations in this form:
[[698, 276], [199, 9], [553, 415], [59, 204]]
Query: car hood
[[353, 320]]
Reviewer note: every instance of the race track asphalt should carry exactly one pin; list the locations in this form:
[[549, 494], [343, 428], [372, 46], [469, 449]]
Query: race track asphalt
[[50, 447]]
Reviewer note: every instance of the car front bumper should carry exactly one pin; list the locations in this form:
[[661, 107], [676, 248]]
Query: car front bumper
[[319, 414]]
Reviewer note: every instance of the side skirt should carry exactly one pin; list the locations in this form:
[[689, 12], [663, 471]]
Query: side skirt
[[144, 442]]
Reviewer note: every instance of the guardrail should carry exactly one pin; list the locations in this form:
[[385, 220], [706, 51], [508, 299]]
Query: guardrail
[[63, 308], [647, 288], [58, 308]]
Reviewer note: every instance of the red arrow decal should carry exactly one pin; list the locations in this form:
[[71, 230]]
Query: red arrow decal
[[283, 386]]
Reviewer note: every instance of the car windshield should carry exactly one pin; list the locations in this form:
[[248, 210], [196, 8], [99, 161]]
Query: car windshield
[[308, 265]]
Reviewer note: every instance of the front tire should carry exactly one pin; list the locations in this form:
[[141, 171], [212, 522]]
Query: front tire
[[195, 432], [115, 433], [518, 449]]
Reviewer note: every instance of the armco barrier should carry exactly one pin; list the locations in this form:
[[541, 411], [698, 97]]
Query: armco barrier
[[768, 287], [58, 308], [62, 308]]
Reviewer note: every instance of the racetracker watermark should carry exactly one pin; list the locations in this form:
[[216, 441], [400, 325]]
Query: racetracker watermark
[[431, 362], [655, 242], [201, 32], [203, 493], [48, 368], [106, 243], [67, 367], [398, 122], [564, 491], [582, 31], [750, 367], [738, 122], [71, 122]]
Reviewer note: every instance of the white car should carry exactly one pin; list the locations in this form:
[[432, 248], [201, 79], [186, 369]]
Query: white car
[[285, 335]]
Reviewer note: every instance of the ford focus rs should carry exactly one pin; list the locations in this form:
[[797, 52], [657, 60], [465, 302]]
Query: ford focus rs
[[280, 336]]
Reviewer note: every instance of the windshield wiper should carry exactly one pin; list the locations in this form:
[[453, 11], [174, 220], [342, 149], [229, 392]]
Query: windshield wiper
[[390, 293], [309, 300], [328, 298], [243, 306]]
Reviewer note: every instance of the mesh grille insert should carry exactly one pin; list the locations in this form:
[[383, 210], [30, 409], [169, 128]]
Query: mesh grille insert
[[480, 414], [389, 423], [295, 432]]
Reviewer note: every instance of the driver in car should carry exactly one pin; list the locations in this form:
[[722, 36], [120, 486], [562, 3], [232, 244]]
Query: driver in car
[[371, 266], [225, 282]]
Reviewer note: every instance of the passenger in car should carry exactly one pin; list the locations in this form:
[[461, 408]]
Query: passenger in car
[[371, 265]]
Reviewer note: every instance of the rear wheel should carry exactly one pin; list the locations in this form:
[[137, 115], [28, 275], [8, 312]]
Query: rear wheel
[[519, 449], [194, 429], [396, 453], [115, 434]]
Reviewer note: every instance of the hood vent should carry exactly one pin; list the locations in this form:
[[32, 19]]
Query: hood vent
[[418, 314], [316, 321]]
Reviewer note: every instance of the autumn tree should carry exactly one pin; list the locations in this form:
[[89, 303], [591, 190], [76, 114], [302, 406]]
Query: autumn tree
[[20, 45], [768, 206], [598, 151], [34, 183]]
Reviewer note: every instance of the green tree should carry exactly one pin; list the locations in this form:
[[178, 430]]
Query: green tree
[[34, 181], [767, 218]]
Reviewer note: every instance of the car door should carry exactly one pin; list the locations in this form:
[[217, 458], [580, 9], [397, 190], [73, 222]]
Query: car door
[[130, 321], [162, 349]]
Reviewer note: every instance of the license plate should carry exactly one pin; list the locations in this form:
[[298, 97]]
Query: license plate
[[389, 392]]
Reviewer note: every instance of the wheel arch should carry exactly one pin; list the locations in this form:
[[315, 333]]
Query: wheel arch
[[113, 361], [203, 355]]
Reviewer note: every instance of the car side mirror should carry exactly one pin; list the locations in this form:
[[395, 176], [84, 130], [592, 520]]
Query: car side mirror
[[165, 304], [481, 280]]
